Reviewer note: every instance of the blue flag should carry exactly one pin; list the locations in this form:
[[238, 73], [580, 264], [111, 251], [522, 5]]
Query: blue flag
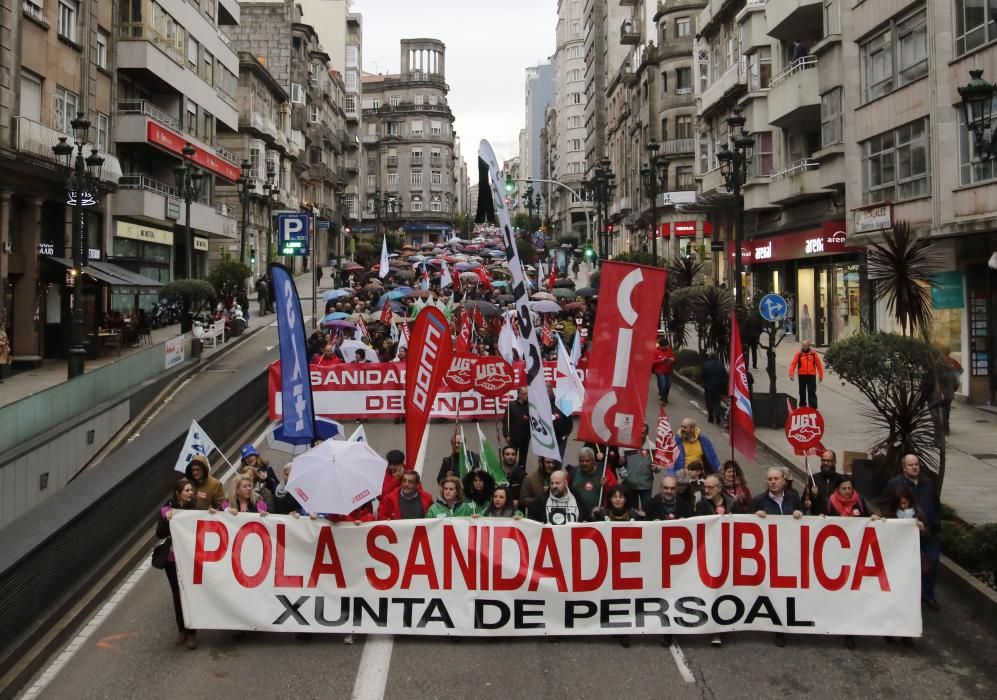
[[298, 411]]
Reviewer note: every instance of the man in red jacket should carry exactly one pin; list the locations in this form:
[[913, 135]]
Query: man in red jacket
[[661, 365], [807, 364], [407, 502]]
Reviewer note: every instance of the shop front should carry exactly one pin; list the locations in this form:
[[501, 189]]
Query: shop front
[[977, 255], [823, 280], [144, 250]]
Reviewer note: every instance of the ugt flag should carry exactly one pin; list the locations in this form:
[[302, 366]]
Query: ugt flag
[[742, 423], [197, 443], [296, 386]]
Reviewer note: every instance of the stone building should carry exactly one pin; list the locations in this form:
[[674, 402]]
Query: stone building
[[566, 210], [408, 145]]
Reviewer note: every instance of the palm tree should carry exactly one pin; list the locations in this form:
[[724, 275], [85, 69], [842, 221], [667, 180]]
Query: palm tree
[[901, 269], [684, 272]]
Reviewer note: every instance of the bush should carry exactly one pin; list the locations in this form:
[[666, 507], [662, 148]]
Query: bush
[[192, 296], [229, 278], [692, 373], [687, 358]]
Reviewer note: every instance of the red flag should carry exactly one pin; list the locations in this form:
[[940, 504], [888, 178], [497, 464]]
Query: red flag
[[483, 275], [362, 327], [386, 312], [546, 336], [464, 339], [626, 325], [479, 319], [405, 331], [666, 450], [429, 358], [553, 274], [742, 424]]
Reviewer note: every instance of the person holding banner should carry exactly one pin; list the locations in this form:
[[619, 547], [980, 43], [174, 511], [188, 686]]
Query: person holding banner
[[560, 505], [667, 505], [208, 492], [283, 502], [590, 480], [715, 501], [502, 505], [408, 502], [451, 503], [616, 510], [183, 499], [242, 499], [479, 486]]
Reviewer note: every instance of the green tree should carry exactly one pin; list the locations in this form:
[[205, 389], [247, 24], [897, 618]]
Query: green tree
[[894, 373], [684, 272], [192, 296], [229, 277]]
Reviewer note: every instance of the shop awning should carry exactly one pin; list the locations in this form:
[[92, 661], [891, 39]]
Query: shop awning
[[123, 281]]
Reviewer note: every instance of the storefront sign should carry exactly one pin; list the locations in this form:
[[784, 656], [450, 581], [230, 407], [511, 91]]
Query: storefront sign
[[46, 248], [200, 243], [170, 140], [873, 218], [172, 208], [683, 229], [948, 292], [141, 232], [174, 351], [827, 240], [671, 198], [93, 254]]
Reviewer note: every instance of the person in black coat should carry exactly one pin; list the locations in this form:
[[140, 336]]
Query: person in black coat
[[777, 499], [714, 386], [516, 424], [183, 499], [667, 505], [563, 425], [753, 327], [450, 466]]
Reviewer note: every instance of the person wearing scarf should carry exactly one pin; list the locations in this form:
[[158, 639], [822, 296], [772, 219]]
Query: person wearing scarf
[[845, 501], [616, 511]]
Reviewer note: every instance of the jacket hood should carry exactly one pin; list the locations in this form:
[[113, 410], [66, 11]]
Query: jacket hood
[[189, 471], [486, 495]]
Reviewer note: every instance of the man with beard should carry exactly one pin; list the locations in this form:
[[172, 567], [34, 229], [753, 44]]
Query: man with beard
[[559, 506], [667, 505]]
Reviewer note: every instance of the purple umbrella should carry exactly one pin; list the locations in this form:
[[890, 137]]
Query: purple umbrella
[[342, 325]]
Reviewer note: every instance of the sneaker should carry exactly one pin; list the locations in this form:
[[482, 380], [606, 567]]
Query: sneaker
[[716, 641], [780, 639], [666, 640], [181, 639], [192, 641], [850, 642], [348, 639]]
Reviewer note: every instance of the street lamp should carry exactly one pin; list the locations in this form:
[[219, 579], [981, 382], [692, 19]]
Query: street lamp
[[734, 168], [977, 107], [269, 195], [81, 191], [601, 187], [531, 200], [340, 192], [654, 176], [244, 184], [189, 181]]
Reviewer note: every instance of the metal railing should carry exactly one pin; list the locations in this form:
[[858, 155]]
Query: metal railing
[[797, 66], [227, 154], [796, 168], [148, 109], [138, 181], [674, 146], [37, 139]]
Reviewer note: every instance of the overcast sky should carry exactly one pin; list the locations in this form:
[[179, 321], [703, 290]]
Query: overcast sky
[[489, 46]]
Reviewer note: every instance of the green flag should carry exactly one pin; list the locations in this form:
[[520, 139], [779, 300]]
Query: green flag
[[490, 459], [465, 460]]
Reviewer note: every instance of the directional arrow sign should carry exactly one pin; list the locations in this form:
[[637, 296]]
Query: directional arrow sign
[[772, 307]]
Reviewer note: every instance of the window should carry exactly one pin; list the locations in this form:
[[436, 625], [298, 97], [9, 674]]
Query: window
[[32, 8], [375, 103], [683, 26], [415, 128], [351, 81], [760, 69], [895, 57], [103, 39], [352, 56], [574, 74], [392, 128], [574, 144], [830, 118], [415, 178], [190, 123], [684, 179], [683, 126], [372, 182], [971, 169], [209, 68], [102, 126], [433, 99], [256, 150], [760, 161], [274, 164], [974, 24], [683, 81], [418, 100], [68, 11], [313, 114], [575, 52], [297, 93], [30, 105], [575, 98], [207, 127], [832, 17], [435, 204], [437, 178], [66, 106], [392, 181], [895, 163], [574, 122], [416, 156], [416, 202], [576, 167], [436, 128], [192, 49], [349, 104], [394, 100], [664, 82]]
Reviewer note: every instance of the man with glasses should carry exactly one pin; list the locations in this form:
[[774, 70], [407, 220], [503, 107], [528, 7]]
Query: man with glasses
[[667, 505], [818, 488], [695, 447]]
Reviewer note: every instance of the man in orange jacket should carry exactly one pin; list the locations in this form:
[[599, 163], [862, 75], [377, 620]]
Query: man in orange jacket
[[807, 364]]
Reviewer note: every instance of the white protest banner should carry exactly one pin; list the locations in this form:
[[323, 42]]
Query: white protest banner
[[484, 577], [197, 443]]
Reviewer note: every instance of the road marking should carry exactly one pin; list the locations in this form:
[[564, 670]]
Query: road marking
[[372, 677], [50, 672], [108, 642], [681, 663]]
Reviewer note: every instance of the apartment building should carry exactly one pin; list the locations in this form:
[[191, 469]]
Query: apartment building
[[539, 94], [409, 143], [567, 211]]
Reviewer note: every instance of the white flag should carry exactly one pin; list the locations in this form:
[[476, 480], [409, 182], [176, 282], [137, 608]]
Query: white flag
[[507, 345], [445, 279], [569, 393], [359, 435], [402, 343], [197, 443], [576, 348], [393, 333], [383, 271]]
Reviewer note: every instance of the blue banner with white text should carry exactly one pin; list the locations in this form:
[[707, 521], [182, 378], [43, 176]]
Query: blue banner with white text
[[296, 389]]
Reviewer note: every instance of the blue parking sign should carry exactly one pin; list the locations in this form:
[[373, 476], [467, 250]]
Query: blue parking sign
[[292, 234]]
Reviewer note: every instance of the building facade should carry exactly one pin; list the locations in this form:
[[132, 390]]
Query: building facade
[[409, 146], [566, 210], [539, 94]]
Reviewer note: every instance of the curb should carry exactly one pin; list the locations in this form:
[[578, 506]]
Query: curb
[[983, 598]]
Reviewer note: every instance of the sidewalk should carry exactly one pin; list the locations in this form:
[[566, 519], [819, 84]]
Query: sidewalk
[[971, 449], [53, 371]]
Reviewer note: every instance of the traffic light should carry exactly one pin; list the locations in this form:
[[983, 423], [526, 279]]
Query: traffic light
[[252, 254], [510, 184], [589, 253]]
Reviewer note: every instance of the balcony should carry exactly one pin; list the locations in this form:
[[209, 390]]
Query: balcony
[[260, 124], [141, 197], [713, 182], [36, 139], [352, 166], [733, 80], [353, 115], [133, 126], [148, 109], [371, 138], [793, 99], [296, 144], [794, 19], [678, 147], [416, 161], [797, 183], [628, 3], [629, 34], [320, 171], [620, 206], [754, 29], [391, 161]]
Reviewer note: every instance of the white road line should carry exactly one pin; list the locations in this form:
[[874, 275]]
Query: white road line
[[681, 663], [84, 635], [372, 677]]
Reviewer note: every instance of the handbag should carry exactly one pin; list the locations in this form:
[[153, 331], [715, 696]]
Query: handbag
[[161, 553]]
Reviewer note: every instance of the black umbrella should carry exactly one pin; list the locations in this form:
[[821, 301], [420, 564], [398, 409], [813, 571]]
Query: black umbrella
[[564, 282], [485, 307], [506, 298], [585, 292]]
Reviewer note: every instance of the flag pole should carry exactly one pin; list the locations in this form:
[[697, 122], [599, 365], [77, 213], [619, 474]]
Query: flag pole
[[605, 466], [730, 386]]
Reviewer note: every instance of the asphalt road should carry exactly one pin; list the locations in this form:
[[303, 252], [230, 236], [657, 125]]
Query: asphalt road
[[130, 653]]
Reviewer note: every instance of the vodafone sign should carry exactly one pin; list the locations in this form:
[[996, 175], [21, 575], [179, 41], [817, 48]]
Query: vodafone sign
[[827, 240]]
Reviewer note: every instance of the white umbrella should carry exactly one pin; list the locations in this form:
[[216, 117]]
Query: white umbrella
[[336, 477], [545, 306], [349, 349]]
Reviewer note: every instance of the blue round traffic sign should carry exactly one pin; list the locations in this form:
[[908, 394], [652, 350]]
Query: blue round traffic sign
[[772, 307]]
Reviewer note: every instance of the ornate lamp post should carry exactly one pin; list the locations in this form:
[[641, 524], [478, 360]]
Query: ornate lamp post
[[734, 167], [81, 191], [269, 195], [654, 176], [244, 184], [601, 187], [977, 108], [189, 181]]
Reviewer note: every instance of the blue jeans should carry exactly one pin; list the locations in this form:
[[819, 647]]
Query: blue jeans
[[664, 385], [931, 556]]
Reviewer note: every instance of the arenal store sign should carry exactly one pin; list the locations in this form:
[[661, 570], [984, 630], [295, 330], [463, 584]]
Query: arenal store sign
[[827, 240]]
